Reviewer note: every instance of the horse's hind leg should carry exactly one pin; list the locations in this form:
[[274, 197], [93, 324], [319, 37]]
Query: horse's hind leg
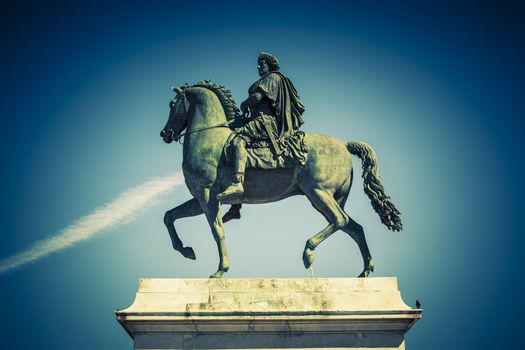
[[354, 230], [187, 209], [325, 203]]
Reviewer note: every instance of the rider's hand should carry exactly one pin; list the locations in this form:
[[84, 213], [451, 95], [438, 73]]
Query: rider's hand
[[245, 109]]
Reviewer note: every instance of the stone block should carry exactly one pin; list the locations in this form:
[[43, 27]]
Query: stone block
[[260, 313]]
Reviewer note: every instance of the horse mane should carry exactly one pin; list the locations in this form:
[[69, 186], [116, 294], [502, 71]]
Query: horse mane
[[225, 97]]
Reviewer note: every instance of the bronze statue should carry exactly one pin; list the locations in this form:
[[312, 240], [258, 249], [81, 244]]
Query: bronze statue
[[275, 110], [276, 169]]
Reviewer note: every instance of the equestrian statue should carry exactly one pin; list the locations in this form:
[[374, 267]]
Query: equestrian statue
[[257, 154]]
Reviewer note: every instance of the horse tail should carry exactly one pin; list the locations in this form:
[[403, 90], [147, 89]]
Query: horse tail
[[381, 203]]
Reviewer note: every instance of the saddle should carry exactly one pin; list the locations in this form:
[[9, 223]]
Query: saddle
[[260, 155]]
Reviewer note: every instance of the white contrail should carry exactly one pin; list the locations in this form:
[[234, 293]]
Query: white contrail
[[123, 209]]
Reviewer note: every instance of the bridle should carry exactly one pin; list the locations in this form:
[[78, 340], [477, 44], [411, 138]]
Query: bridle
[[222, 125]]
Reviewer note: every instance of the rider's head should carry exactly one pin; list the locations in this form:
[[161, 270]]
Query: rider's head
[[270, 60]]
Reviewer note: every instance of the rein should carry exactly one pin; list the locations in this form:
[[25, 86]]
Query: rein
[[222, 125]]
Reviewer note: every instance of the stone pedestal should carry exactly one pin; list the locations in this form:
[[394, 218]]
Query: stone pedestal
[[255, 313]]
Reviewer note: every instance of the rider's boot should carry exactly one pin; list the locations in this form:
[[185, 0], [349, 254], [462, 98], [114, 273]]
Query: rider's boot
[[235, 189], [239, 165]]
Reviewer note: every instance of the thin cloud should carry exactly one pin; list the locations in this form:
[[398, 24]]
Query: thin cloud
[[124, 209]]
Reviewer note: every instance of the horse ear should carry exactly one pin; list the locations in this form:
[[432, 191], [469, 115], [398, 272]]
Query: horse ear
[[176, 90]]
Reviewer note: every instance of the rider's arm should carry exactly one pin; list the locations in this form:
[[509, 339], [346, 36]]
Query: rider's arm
[[251, 101]]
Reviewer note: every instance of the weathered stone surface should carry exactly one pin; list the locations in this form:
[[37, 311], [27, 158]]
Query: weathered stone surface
[[351, 313]]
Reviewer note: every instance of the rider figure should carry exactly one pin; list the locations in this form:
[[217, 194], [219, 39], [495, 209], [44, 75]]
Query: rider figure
[[275, 117]]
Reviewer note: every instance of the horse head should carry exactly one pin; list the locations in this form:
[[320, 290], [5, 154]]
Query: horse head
[[178, 117]]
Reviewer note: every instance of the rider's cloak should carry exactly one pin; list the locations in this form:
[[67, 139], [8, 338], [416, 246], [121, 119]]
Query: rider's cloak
[[284, 100]]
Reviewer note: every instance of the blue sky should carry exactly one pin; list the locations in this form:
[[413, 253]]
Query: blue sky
[[436, 89]]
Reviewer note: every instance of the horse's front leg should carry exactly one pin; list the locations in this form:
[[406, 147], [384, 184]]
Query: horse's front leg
[[233, 213], [187, 209], [211, 208]]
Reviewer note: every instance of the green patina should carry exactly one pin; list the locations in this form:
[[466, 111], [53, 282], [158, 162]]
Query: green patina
[[205, 111]]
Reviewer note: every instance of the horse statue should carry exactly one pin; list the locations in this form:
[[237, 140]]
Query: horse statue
[[206, 110]]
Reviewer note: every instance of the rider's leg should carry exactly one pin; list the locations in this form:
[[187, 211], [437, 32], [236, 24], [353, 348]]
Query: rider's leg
[[239, 160], [239, 166]]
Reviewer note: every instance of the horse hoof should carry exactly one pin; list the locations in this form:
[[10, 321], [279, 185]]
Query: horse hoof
[[188, 253], [364, 274], [217, 274], [230, 216], [308, 257]]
